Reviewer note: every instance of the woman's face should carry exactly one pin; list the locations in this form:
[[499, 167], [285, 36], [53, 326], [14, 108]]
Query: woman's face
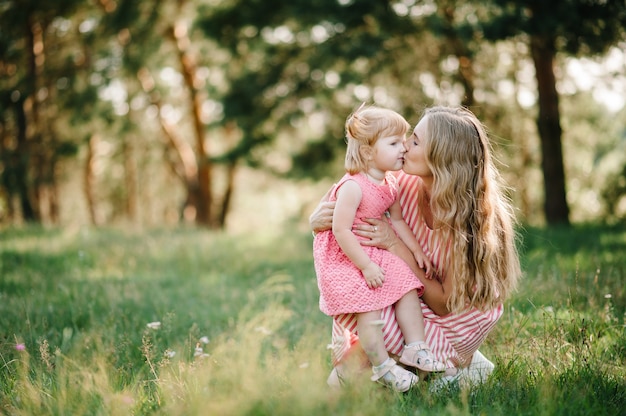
[[415, 156]]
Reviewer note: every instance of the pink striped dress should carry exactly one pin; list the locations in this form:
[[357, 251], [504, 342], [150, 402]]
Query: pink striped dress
[[453, 338]]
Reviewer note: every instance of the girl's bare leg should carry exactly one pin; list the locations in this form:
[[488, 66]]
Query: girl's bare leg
[[371, 337], [410, 318], [385, 369], [416, 351]]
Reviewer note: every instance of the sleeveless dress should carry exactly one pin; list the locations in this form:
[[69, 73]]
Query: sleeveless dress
[[343, 289], [453, 338]]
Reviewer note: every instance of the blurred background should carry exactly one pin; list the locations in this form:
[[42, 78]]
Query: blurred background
[[229, 114]]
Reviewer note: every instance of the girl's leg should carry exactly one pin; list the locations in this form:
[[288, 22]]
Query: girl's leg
[[411, 322], [371, 336], [385, 369], [410, 318]]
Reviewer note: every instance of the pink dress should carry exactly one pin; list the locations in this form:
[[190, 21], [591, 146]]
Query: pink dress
[[453, 338], [342, 286]]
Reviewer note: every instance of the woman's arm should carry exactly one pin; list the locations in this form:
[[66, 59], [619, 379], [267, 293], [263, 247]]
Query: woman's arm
[[381, 235]]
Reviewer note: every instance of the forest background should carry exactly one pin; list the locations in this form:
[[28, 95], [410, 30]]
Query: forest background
[[229, 114]]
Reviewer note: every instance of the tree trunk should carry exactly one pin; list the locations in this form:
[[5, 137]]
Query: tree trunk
[[90, 179], [231, 171], [20, 162], [459, 47], [228, 193], [204, 194], [32, 109], [130, 175], [555, 205], [185, 164]]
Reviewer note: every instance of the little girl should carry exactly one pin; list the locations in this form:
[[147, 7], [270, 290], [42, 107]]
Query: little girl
[[362, 280]]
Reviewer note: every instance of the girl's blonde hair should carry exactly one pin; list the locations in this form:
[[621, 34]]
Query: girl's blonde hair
[[469, 203], [364, 127]]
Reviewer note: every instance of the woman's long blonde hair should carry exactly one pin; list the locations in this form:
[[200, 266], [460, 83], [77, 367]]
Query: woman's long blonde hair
[[364, 127], [469, 203]]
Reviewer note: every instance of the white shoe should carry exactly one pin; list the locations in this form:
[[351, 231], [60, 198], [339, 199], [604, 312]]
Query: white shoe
[[394, 376], [476, 373], [334, 380], [421, 357]]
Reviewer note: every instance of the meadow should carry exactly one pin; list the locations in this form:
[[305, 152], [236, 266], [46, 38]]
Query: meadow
[[192, 322]]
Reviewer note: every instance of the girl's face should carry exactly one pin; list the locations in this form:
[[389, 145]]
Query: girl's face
[[389, 153], [415, 157]]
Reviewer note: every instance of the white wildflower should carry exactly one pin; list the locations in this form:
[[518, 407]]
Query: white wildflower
[[204, 340], [198, 351], [169, 353], [154, 325]]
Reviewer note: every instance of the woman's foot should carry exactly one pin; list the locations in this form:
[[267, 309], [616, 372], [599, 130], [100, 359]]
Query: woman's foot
[[419, 355], [393, 376]]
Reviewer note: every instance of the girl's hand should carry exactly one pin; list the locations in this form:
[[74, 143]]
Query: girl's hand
[[424, 263], [378, 233], [374, 275]]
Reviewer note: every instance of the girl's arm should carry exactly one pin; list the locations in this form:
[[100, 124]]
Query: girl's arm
[[348, 200]]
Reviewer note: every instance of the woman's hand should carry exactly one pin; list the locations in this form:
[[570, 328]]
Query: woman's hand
[[322, 217], [377, 233]]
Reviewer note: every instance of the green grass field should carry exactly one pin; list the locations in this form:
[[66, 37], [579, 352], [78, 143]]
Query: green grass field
[[240, 331]]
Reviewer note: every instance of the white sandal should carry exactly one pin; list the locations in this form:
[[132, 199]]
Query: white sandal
[[420, 356], [394, 376]]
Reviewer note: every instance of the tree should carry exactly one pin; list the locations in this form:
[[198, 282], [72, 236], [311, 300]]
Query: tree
[[283, 53], [570, 26], [31, 145], [249, 82]]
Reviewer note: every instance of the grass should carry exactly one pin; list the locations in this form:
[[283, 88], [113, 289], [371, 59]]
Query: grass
[[75, 305]]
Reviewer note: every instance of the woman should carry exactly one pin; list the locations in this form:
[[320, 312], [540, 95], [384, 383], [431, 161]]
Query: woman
[[453, 200]]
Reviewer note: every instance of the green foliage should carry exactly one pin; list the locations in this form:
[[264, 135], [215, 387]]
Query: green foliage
[[279, 57], [613, 192], [581, 26], [79, 301], [274, 82]]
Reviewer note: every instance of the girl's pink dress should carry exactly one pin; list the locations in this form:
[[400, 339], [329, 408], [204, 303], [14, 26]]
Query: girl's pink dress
[[343, 289]]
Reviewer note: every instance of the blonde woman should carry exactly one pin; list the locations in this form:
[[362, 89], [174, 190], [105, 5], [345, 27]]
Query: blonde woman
[[359, 281], [453, 200]]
